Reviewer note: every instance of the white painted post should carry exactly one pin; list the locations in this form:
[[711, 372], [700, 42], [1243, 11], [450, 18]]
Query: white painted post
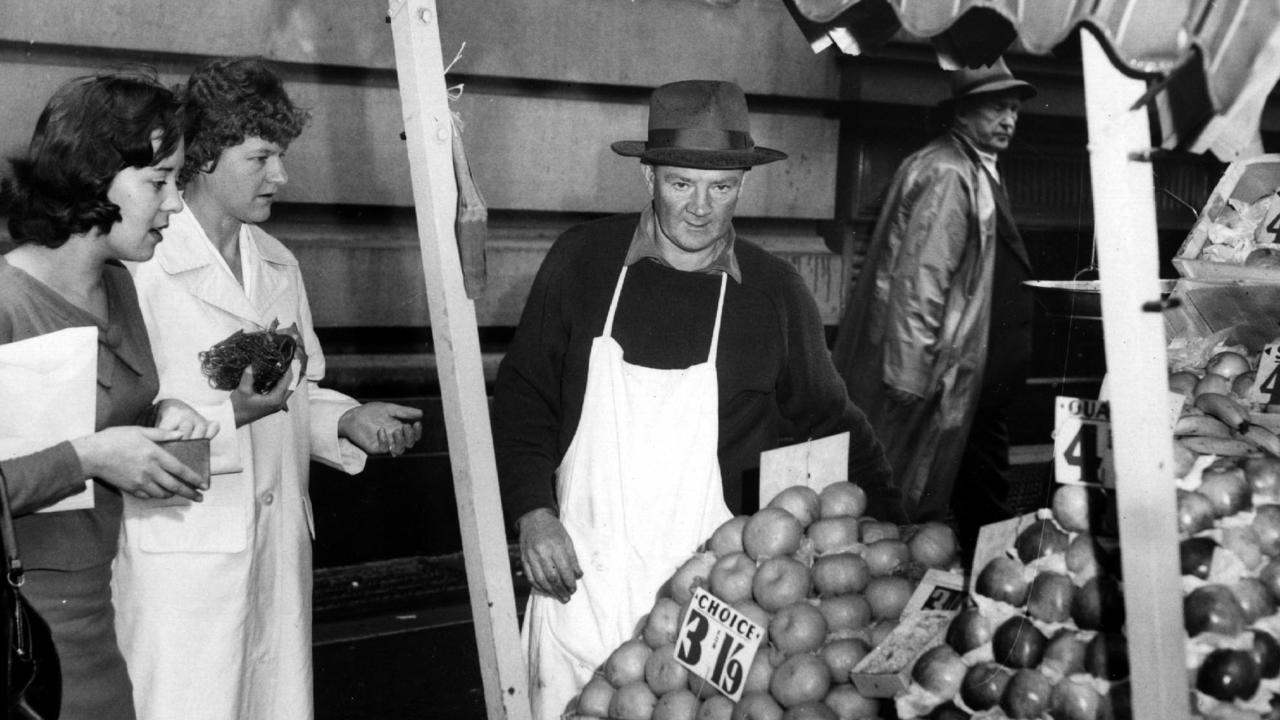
[[429, 134], [1125, 229]]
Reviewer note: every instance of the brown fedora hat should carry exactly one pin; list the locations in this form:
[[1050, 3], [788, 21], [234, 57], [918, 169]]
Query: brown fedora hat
[[698, 124], [993, 78]]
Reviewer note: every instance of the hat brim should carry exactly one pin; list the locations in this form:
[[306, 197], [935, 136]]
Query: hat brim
[[1023, 89], [698, 159]]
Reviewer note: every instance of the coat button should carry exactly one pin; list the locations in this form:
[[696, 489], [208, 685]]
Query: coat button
[[268, 499]]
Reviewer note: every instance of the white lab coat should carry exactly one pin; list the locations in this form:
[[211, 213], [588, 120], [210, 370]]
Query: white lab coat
[[213, 599]]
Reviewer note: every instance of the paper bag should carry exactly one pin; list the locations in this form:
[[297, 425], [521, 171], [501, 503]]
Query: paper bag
[[49, 393]]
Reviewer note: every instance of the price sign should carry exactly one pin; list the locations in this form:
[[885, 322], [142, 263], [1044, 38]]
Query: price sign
[[815, 463], [717, 643], [1269, 229], [1266, 385], [1082, 442]]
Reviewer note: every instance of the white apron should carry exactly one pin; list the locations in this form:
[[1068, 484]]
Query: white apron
[[639, 490]]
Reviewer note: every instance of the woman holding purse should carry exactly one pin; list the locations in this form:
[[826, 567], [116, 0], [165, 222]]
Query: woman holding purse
[[95, 188]]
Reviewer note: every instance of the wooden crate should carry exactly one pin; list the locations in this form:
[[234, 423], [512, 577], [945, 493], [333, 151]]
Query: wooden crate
[[1247, 181]]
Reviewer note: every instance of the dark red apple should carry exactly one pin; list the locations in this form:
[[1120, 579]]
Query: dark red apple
[[1227, 489], [1117, 704], [1040, 538], [1049, 599], [1065, 652], [1018, 643], [1212, 608], [1107, 656], [1071, 700], [1269, 574], [1098, 604], [1003, 579], [970, 629], [1082, 556], [1195, 513], [940, 671], [1263, 474], [1196, 556], [984, 684], [1088, 555], [1228, 675], [1027, 695], [1266, 653], [948, 711], [1255, 600]]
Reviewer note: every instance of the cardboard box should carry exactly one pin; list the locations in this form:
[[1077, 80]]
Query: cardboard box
[[886, 670], [1243, 313], [1247, 181]]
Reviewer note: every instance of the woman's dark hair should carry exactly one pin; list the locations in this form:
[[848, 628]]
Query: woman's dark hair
[[92, 128], [230, 99]]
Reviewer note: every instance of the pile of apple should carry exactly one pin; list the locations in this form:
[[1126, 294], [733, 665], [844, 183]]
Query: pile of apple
[[1044, 638], [825, 581], [1218, 417], [1229, 524]]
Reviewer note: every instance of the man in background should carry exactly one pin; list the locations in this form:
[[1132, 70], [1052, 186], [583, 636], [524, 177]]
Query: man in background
[[937, 335]]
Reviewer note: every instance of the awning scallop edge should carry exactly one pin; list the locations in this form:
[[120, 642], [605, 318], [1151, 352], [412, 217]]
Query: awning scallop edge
[[1210, 65]]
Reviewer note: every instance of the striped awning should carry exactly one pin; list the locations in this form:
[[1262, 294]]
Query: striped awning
[[1210, 63]]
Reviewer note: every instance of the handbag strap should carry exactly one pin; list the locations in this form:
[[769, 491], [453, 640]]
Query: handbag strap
[[13, 563]]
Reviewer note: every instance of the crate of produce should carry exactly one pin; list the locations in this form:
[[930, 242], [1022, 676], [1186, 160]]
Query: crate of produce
[[1237, 235]]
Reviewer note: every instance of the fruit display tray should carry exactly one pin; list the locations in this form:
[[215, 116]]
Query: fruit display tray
[[1247, 181]]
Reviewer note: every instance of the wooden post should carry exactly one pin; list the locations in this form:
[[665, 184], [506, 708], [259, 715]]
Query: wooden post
[[1125, 229], [429, 134]]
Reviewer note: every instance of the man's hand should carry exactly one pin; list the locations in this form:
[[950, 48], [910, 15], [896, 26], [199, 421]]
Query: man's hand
[[547, 552], [902, 397], [250, 406], [380, 427], [173, 414]]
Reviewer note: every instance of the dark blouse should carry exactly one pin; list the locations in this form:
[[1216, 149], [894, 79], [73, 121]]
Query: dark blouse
[[774, 369], [127, 386]]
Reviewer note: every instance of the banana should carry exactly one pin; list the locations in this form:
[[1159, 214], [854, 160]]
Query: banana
[[1229, 447], [1263, 438], [1229, 411], [1206, 425]]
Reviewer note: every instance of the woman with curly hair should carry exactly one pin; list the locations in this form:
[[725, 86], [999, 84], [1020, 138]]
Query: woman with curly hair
[[214, 601], [96, 186]]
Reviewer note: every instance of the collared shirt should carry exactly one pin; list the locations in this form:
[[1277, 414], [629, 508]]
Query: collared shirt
[[644, 244], [986, 201], [989, 162]]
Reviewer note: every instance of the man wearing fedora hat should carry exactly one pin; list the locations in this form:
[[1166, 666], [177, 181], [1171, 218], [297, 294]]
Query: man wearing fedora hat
[[937, 334], [657, 356]]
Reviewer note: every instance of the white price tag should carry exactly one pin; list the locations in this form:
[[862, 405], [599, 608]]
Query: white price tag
[[717, 643], [1267, 380], [1082, 442], [815, 463]]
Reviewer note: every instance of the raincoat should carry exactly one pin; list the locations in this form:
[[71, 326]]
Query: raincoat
[[919, 317]]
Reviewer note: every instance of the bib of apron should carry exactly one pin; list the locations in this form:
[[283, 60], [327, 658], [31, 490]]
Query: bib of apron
[[639, 491]]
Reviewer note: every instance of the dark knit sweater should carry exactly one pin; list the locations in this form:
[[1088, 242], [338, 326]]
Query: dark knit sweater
[[773, 362]]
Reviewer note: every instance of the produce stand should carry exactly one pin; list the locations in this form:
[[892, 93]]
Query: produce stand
[[1201, 107], [1209, 95]]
